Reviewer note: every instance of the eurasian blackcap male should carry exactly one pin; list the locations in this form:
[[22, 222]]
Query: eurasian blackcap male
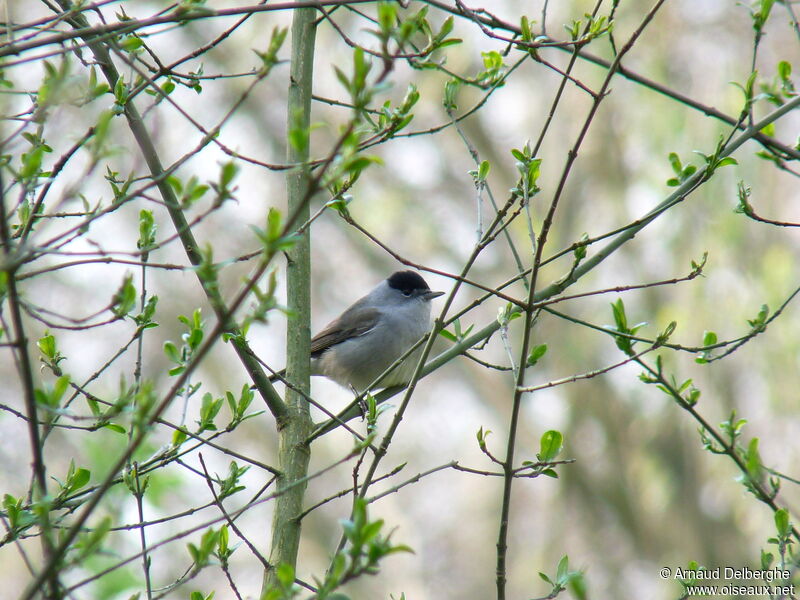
[[362, 342]]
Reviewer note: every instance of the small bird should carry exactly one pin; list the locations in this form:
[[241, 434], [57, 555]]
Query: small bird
[[361, 343]]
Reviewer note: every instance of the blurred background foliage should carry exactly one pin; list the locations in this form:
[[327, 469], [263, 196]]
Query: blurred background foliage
[[642, 493]]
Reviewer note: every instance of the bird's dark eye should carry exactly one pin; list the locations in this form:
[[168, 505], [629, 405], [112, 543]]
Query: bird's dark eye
[[406, 293]]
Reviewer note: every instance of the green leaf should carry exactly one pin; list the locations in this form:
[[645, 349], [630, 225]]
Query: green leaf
[[483, 170], [760, 322], [131, 43], [709, 339], [664, 336], [285, 575], [271, 237], [782, 523], [753, 460], [675, 161], [768, 129], [577, 584], [270, 58], [450, 93], [761, 15], [124, 300], [482, 435], [535, 354], [222, 543], [145, 318], [525, 29], [550, 445], [178, 437], [147, 230], [562, 570], [171, 350], [223, 186], [175, 183], [447, 335], [31, 163], [168, 86], [121, 92], [387, 15], [79, 479], [580, 251], [449, 42], [201, 554], [59, 389], [371, 530], [447, 27], [228, 172], [620, 319], [506, 314], [209, 410], [47, 345]]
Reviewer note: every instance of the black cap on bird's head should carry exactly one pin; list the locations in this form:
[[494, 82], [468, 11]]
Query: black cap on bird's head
[[411, 284]]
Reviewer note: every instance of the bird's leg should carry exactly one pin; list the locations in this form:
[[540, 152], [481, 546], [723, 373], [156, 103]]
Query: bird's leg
[[362, 402]]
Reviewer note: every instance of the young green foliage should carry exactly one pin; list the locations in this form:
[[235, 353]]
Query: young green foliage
[[536, 353], [285, 588], [193, 190], [239, 407], [269, 58], [365, 549], [272, 237], [624, 341], [566, 577], [203, 552], [682, 173], [124, 299], [529, 168], [209, 409], [51, 356], [192, 339]]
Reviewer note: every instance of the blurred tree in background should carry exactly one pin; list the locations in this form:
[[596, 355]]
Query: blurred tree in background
[[607, 191]]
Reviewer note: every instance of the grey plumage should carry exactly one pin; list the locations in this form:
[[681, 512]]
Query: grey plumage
[[354, 349]]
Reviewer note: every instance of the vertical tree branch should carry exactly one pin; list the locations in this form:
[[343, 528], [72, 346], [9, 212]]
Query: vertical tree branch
[[294, 451], [530, 311], [139, 494]]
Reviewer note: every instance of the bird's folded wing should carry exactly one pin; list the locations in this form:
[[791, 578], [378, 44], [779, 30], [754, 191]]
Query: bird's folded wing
[[354, 323]]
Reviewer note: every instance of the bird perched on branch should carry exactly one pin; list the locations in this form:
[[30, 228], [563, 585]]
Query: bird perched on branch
[[369, 336]]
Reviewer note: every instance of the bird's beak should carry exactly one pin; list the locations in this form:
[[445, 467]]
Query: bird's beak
[[432, 295]]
